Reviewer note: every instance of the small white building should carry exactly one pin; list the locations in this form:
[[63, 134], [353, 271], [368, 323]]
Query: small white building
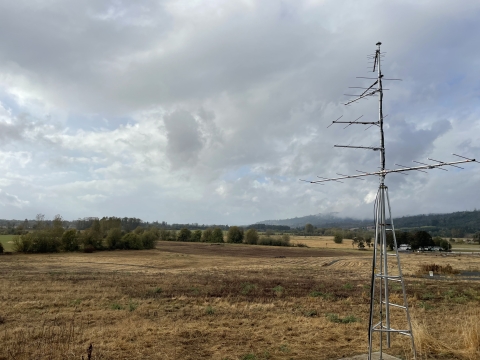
[[404, 247]]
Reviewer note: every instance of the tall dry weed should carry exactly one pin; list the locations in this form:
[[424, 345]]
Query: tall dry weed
[[462, 341], [54, 340]]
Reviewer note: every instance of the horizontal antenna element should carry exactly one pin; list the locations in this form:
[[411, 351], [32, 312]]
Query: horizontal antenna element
[[385, 172]]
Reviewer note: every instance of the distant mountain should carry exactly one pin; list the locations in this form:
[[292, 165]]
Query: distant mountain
[[462, 222], [319, 220]]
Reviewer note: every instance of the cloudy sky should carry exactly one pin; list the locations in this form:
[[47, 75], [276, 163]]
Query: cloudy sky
[[210, 111]]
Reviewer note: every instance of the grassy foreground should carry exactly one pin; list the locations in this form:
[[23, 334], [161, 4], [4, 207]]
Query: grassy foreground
[[202, 301]]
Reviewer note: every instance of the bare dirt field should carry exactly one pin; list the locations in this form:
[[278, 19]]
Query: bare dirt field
[[201, 301]]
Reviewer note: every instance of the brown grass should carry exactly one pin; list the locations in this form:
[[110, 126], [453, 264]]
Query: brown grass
[[438, 269], [324, 242], [463, 342], [190, 302]]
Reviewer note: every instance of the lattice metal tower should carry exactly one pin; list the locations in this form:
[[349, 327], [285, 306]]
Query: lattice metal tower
[[384, 280]]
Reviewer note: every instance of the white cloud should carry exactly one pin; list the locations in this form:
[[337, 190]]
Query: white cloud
[[7, 199], [92, 198], [370, 197]]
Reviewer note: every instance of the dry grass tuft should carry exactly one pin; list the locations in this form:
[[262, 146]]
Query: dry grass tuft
[[462, 341], [438, 269]]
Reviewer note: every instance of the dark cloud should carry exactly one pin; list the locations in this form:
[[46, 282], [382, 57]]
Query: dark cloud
[[184, 139]]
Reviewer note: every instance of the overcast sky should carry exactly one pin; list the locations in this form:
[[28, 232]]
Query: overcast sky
[[210, 111]]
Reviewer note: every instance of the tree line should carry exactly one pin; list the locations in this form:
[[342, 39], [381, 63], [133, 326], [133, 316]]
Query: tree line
[[116, 233], [103, 234], [234, 235], [417, 240]]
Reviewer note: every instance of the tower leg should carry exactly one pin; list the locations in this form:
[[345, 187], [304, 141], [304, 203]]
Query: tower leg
[[395, 246], [380, 322]]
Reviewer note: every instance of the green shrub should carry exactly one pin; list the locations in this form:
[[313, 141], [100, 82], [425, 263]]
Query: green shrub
[[273, 241], [207, 235], [114, 239], [39, 241], [164, 234], [251, 237], [149, 239], [21, 245], [217, 235], [184, 235], [338, 239], [70, 240], [197, 236], [139, 230], [235, 235], [132, 241], [92, 238]]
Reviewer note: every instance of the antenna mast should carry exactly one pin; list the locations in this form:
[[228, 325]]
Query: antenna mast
[[381, 278]]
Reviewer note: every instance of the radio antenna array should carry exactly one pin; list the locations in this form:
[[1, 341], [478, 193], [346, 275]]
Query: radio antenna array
[[381, 278]]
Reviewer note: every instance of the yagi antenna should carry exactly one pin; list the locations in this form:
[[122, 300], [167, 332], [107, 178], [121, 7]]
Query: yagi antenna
[[382, 276]]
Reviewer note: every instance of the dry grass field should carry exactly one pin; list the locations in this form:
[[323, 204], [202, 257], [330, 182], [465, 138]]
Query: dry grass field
[[201, 301], [325, 242]]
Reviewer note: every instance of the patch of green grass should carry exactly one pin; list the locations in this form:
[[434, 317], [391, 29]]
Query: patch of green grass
[[348, 286], [450, 293], [266, 355], [284, 348], [116, 306], [132, 306], [396, 287], [7, 242], [194, 290], [472, 293], [337, 319], [310, 313], [76, 302], [349, 319], [460, 298], [249, 357], [279, 290], [425, 305], [323, 295], [155, 292], [248, 288], [209, 310], [428, 296]]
